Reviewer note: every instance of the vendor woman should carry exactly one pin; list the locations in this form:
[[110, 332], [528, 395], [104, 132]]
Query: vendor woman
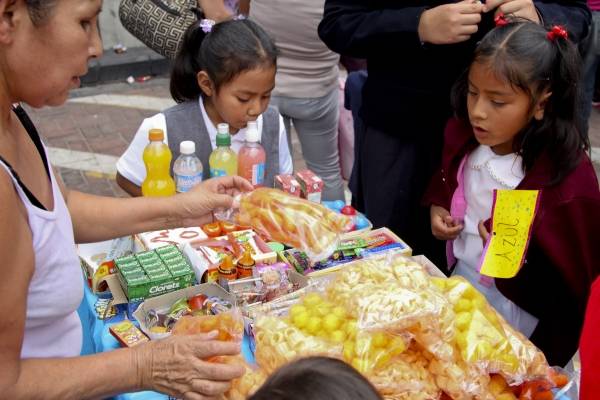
[[45, 46]]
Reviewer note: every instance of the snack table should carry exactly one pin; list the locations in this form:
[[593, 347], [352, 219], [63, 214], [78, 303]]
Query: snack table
[[98, 339]]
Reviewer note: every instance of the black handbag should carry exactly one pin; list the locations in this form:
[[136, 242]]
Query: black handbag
[[159, 24]]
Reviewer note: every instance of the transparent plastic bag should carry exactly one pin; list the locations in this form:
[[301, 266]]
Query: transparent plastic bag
[[230, 325], [484, 338], [299, 223]]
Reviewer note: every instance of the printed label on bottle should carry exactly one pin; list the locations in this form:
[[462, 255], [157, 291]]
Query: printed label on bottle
[[215, 173], [186, 182], [258, 174]]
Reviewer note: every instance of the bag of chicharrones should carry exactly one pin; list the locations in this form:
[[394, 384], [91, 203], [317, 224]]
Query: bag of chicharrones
[[297, 222]]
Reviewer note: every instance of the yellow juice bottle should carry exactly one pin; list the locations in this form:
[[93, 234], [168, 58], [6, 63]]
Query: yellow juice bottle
[[157, 158], [223, 160]]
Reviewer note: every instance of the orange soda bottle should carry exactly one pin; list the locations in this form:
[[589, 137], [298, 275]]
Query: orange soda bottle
[[251, 157], [157, 159]]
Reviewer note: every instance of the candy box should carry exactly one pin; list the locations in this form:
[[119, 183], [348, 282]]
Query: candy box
[[156, 239], [150, 274], [311, 185], [164, 302], [127, 334], [288, 184], [97, 259], [205, 255]]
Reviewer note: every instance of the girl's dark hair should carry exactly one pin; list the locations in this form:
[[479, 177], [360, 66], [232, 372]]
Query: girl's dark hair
[[230, 48], [316, 378], [522, 54], [39, 10]]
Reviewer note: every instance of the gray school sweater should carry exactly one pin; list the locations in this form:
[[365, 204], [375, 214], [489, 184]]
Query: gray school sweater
[[185, 122]]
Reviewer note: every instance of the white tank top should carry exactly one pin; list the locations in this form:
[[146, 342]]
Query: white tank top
[[52, 326]]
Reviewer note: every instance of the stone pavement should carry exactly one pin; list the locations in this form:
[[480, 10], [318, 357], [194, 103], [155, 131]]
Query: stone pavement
[[89, 132]]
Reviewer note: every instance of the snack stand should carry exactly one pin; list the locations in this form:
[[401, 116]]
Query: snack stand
[[414, 333]]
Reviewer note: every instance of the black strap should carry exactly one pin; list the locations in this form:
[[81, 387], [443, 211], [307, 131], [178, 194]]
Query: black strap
[[35, 137], [33, 134], [29, 195]]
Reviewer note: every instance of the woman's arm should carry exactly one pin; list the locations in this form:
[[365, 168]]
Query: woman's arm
[[97, 218], [173, 366]]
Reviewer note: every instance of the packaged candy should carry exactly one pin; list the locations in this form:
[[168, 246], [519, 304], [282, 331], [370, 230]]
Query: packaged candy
[[296, 222], [127, 334]]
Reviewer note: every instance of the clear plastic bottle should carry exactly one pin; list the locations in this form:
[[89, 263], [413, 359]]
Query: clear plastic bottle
[[187, 169], [223, 160], [157, 159], [252, 157]]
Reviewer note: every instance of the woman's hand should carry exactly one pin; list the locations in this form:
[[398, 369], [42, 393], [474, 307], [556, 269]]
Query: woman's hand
[[176, 366], [450, 23], [443, 226], [196, 207], [518, 8]]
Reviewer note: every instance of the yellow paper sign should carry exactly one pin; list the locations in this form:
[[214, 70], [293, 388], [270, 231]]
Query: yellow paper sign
[[512, 218]]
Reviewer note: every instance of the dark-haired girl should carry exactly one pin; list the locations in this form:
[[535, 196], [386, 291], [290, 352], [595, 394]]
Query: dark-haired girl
[[517, 128], [222, 73]]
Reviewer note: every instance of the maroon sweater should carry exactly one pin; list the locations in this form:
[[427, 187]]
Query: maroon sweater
[[563, 257]]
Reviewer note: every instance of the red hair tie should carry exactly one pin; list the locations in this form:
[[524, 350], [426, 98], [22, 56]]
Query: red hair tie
[[500, 20], [557, 31]]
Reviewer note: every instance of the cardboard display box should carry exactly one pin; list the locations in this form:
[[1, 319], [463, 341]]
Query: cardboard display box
[[164, 302], [179, 237]]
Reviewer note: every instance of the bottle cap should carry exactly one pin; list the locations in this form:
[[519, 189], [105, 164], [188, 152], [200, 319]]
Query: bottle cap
[[187, 147], [156, 135], [252, 132], [223, 128], [223, 139], [246, 260]]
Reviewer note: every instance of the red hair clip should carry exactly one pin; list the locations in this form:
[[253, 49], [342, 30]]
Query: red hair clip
[[500, 20], [556, 32]]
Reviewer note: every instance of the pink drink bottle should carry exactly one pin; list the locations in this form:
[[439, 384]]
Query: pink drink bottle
[[251, 157]]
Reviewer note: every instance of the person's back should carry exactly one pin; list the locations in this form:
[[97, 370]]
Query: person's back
[[305, 66]]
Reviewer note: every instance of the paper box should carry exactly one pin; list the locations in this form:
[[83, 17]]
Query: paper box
[[311, 185], [96, 259], [203, 254], [153, 273], [288, 184], [164, 302], [178, 237]]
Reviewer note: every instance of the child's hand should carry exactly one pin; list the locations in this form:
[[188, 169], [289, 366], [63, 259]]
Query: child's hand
[[483, 232], [450, 23], [443, 226]]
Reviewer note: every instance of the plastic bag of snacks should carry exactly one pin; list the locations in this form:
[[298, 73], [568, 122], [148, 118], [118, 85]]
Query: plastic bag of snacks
[[249, 383], [484, 338], [296, 222], [230, 325]]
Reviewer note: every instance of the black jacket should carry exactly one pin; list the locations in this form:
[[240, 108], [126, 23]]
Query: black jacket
[[407, 91]]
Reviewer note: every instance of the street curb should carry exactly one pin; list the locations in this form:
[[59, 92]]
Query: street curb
[[136, 62]]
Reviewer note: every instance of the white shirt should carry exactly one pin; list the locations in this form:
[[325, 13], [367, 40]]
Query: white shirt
[[52, 325], [485, 171], [131, 166]]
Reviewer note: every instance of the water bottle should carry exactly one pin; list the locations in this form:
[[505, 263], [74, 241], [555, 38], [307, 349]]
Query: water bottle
[[187, 169]]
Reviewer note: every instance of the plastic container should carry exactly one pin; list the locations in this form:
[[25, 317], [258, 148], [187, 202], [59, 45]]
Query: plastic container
[[223, 160], [252, 158], [157, 159], [187, 169]]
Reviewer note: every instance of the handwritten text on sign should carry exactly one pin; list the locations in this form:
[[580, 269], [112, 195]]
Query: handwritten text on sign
[[512, 217]]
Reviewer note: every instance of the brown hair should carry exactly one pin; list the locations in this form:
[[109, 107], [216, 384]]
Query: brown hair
[[39, 10]]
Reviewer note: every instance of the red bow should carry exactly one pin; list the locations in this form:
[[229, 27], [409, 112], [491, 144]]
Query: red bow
[[557, 31], [500, 20]]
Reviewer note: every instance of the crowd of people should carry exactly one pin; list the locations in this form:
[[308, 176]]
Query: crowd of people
[[459, 99]]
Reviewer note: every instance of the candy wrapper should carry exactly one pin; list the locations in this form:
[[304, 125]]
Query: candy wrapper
[[296, 222]]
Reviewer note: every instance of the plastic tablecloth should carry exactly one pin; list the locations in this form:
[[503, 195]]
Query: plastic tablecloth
[[97, 339]]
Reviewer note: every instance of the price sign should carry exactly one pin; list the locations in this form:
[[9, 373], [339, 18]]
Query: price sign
[[513, 213]]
